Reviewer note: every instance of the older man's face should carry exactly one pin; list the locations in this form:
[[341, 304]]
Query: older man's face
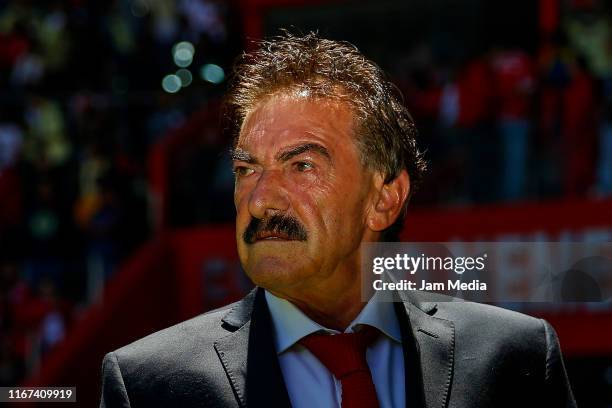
[[301, 194]]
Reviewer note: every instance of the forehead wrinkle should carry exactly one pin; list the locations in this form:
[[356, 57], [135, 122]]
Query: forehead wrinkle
[[263, 119], [259, 112]]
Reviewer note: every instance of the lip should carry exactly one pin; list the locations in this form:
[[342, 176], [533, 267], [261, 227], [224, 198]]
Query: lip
[[272, 236]]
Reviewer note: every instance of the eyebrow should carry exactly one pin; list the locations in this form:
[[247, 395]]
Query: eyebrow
[[303, 148], [242, 155]]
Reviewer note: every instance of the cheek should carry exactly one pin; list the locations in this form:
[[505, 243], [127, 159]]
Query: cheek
[[329, 204], [313, 191]]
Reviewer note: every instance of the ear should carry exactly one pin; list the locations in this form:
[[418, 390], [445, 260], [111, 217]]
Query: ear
[[389, 202]]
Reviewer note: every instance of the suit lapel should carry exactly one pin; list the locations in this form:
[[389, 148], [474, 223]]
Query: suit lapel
[[248, 355], [431, 342]]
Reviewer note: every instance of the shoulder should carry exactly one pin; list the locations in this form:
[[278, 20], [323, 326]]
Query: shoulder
[[173, 366], [502, 350], [485, 327], [478, 315], [205, 327], [176, 347], [471, 315], [482, 330], [181, 343]]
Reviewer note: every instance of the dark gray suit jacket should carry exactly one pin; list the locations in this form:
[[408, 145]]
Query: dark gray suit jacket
[[456, 354]]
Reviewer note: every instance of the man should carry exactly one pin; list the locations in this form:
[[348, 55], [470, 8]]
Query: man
[[325, 159]]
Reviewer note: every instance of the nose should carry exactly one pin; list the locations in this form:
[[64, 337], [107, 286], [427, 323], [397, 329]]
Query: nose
[[269, 197]]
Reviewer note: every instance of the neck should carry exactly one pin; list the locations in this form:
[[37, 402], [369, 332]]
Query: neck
[[333, 312]]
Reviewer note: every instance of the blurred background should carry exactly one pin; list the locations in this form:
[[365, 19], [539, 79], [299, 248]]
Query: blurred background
[[116, 189]]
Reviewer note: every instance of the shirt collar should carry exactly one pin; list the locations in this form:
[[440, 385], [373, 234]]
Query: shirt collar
[[291, 324]]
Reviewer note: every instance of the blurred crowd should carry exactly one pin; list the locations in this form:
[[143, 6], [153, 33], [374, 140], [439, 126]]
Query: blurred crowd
[[88, 87], [81, 103], [505, 124]]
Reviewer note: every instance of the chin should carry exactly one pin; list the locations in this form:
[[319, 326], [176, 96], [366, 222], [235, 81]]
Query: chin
[[272, 272]]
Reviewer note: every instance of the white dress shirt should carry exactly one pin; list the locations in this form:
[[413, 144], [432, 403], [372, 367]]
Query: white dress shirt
[[308, 381]]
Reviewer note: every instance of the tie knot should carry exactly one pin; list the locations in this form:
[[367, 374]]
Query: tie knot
[[343, 354]]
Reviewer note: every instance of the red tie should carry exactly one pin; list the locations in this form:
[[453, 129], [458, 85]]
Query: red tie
[[344, 355]]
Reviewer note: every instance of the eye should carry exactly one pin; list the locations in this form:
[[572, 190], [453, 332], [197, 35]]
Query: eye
[[303, 166], [242, 171]]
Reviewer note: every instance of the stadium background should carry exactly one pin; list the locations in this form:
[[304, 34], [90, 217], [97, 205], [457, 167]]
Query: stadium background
[[115, 185]]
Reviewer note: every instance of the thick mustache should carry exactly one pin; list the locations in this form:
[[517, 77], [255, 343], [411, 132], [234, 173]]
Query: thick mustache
[[287, 227]]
